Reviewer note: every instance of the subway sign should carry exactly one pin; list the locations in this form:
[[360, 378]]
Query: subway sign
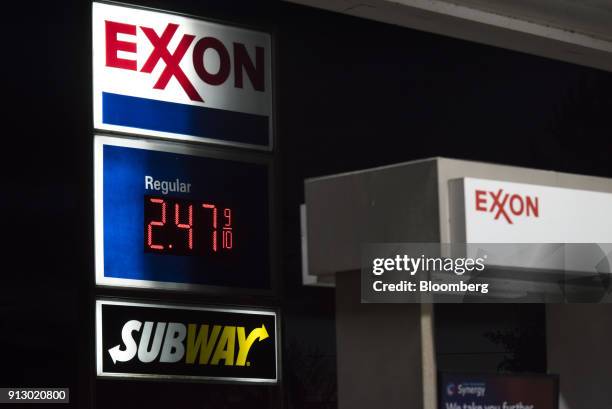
[[172, 76], [146, 340]]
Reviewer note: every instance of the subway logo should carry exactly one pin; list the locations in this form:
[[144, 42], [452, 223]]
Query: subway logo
[[144, 340]]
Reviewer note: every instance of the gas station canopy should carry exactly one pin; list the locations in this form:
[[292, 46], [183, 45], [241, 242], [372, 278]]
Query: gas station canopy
[[573, 31]]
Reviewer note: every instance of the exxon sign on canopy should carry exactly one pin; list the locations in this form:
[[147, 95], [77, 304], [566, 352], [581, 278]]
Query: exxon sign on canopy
[[177, 77], [492, 211]]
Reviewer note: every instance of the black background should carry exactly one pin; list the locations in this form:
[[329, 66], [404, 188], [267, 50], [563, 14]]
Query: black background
[[261, 356], [351, 94]]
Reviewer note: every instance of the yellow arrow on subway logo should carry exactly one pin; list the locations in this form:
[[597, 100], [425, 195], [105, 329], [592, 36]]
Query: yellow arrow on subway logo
[[245, 345]]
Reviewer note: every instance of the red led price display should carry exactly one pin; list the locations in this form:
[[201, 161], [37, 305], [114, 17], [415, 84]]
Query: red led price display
[[187, 227]]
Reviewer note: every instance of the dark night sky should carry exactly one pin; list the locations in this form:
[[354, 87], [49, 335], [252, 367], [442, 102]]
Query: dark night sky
[[351, 94]]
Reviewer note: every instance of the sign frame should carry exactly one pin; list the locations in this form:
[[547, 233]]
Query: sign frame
[[184, 149], [99, 127], [191, 378]]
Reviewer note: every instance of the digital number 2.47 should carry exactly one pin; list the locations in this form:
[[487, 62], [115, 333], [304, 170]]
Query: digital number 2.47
[[193, 226]]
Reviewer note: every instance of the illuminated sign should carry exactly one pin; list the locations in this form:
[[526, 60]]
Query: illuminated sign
[[172, 216], [491, 211], [178, 77], [145, 340], [499, 391]]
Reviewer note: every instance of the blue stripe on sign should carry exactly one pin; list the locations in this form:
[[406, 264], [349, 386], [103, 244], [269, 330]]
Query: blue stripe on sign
[[184, 119]]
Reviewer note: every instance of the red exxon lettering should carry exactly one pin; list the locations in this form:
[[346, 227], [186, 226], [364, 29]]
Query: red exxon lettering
[[505, 206], [240, 59], [172, 61]]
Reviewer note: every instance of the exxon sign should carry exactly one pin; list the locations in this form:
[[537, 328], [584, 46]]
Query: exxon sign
[[177, 77], [493, 211]]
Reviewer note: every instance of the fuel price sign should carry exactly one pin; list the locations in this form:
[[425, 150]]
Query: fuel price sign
[[172, 216]]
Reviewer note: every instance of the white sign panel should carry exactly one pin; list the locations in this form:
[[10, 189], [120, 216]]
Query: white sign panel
[[178, 77], [505, 212]]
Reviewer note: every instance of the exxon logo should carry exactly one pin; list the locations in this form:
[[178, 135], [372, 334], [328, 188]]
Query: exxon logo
[[506, 205], [122, 48]]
